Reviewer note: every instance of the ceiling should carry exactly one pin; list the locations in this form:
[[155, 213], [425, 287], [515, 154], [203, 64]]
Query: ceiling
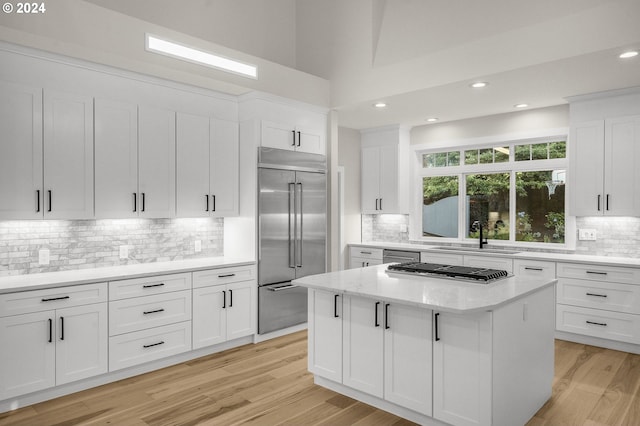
[[420, 56]]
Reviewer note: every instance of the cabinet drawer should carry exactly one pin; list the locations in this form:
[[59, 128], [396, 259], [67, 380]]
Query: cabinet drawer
[[224, 276], [149, 285], [598, 323], [442, 258], [366, 253], [129, 315], [534, 268], [136, 348], [599, 273], [600, 295], [361, 262], [489, 262], [52, 298]]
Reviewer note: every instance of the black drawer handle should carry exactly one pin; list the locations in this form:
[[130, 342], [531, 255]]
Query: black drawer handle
[[435, 317], [153, 312], [335, 306], [152, 285], [533, 269], [596, 295], [365, 252], [51, 299], [153, 344], [596, 273], [226, 275], [603, 324], [377, 324]]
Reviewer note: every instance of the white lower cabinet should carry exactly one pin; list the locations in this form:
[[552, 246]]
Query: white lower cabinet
[[52, 347], [325, 334], [224, 305]]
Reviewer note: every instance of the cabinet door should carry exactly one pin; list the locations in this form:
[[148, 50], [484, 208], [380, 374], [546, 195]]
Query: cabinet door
[[311, 141], [621, 175], [68, 156], [240, 309], [27, 358], [81, 342], [388, 176], [587, 168], [462, 368], [20, 152], [209, 316], [370, 179], [277, 135], [156, 162], [116, 159], [225, 168], [362, 345], [192, 165], [325, 334], [407, 357]]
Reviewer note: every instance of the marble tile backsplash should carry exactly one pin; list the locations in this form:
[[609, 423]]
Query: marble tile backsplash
[[615, 236], [95, 243]]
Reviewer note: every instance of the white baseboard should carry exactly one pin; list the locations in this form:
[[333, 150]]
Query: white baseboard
[[596, 341], [279, 333]]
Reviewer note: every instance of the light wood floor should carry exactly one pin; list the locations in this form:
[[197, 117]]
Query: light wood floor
[[268, 384]]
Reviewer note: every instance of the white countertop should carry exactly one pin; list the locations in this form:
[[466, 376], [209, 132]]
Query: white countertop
[[554, 257], [433, 293], [13, 283]]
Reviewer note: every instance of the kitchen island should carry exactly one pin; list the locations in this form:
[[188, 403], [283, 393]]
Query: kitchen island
[[434, 350]]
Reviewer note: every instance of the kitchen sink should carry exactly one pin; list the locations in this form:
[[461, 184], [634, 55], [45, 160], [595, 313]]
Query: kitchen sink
[[478, 250]]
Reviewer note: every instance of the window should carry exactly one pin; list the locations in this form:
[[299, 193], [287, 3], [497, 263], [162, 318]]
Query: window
[[515, 191]]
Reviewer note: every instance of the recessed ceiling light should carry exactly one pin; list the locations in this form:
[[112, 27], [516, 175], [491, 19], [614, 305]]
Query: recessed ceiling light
[[629, 54], [189, 54], [479, 84], [521, 105], [432, 119], [380, 105]]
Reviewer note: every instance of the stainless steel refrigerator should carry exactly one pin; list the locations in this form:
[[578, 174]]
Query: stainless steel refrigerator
[[292, 233]]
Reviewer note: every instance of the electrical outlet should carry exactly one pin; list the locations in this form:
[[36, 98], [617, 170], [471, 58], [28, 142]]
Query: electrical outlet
[[587, 234], [44, 256], [124, 252], [198, 246]]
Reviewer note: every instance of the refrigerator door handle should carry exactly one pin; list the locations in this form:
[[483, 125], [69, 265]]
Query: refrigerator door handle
[[300, 216], [292, 262]]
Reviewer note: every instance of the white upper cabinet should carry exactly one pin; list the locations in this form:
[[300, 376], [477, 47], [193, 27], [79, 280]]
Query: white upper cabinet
[[292, 138], [68, 156], [20, 152], [134, 160], [207, 166], [604, 155], [384, 171]]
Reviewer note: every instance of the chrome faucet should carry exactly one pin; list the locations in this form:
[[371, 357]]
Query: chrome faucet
[[483, 241]]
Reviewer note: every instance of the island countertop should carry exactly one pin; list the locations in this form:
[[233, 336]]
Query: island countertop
[[441, 294]]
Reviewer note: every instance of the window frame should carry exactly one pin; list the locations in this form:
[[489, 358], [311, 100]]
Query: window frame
[[511, 166]]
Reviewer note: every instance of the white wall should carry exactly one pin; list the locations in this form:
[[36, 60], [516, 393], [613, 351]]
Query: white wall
[[349, 158]]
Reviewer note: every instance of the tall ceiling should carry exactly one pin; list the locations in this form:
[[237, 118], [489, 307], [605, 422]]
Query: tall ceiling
[[420, 56]]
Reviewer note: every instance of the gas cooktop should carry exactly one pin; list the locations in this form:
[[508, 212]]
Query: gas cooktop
[[466, 273]]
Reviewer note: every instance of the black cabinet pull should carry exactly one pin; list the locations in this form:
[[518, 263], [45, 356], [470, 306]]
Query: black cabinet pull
[[365, 252], [377, 203], [231, 298], [49, 209], [226, 275], [213, 202], [386, 316], [377, 324], [135, 202], [596, 295], [51, 299], [50, 330], [207, 198], [380, 203], [293, 133], [152, 285], [37, 201], [435, 317], [224, 299], [298, 138], [335, 306], [603, 324], [153, 344], [61, 328], [596, 273], [598, 202], [607, 203], [142, 201], [153, 312], [533, 269]]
